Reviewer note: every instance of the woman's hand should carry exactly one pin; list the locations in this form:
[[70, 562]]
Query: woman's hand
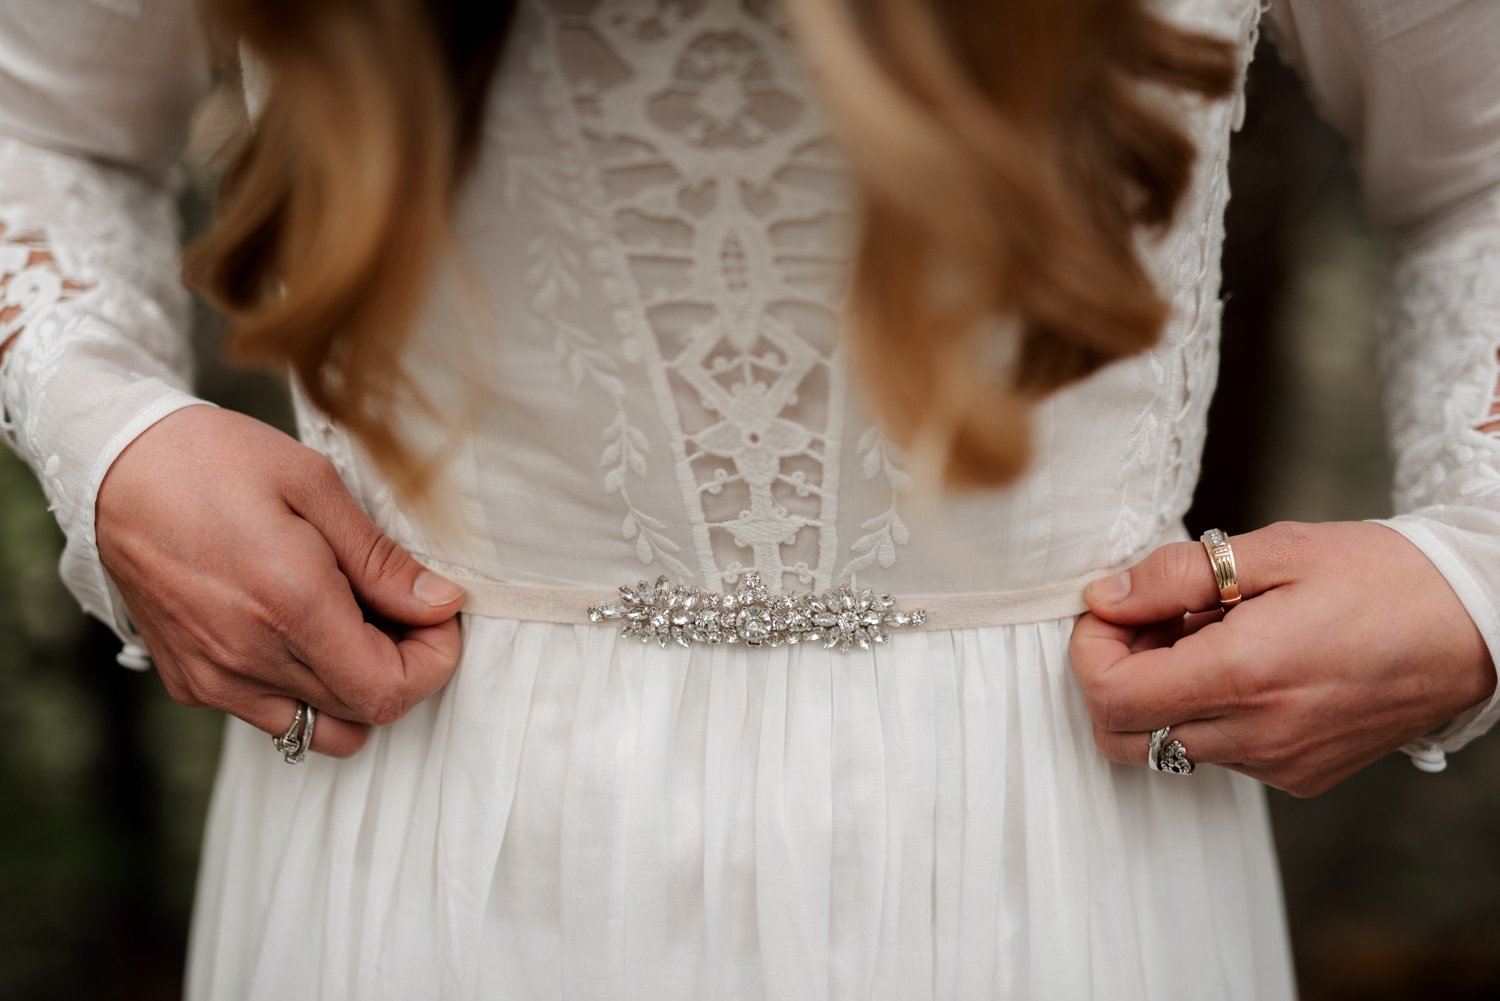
[[251, 573], [1349, 643]]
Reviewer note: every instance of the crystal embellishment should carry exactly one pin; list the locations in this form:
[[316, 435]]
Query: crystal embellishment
[[843, 619]]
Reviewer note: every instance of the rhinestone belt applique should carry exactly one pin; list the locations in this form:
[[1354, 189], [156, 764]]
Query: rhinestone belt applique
[[842, 619]]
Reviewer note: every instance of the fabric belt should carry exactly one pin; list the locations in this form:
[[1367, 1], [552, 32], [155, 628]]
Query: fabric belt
[[570, 605]]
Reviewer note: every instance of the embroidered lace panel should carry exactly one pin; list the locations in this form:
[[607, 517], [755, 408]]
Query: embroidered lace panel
[[29, 280], [1442, 358], [713, 206]]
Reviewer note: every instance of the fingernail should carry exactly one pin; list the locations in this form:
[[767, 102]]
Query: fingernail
[[434, 590], [1113, 589]]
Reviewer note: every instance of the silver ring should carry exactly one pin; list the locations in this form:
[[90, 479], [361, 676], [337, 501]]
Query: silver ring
[[294, 743], [1171, 758]]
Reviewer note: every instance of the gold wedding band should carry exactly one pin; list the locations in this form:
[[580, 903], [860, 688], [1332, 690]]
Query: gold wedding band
[[1221, 558]]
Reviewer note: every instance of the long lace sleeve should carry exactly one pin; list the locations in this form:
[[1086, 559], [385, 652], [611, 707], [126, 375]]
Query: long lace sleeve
[[95, 98], [1416, 87]]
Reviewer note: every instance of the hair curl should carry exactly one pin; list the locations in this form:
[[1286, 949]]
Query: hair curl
[[335, 204]]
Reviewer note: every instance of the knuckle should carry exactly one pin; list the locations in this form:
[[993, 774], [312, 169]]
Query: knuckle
[[1102, 740], [1291, 540], [1304, 786], [1290, 533], [383, 558], [1289, 752], [285, 581], [287, 598], [1088, 684], [227, 654], [1096, 697], [180, 692], [1286, 758], [205, 689], [1270, 761], [1106, 712], [1182, 563], [1251, 756], [349, 742], [319, 472], [383, 708], [310, 474]]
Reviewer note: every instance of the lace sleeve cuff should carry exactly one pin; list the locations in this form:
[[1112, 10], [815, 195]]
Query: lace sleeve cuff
[[97, 325]]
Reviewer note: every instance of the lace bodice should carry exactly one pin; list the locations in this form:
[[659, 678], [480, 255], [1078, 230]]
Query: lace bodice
[[639, 343], [660, 225], [685, 263]]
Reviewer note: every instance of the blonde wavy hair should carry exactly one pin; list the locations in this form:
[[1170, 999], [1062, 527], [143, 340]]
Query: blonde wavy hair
[[1007, 155]]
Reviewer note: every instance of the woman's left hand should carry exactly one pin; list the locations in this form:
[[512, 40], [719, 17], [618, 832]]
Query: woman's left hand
[[1348, 644]]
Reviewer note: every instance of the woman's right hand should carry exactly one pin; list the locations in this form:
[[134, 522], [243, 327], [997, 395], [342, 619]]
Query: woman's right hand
[[251, 573]]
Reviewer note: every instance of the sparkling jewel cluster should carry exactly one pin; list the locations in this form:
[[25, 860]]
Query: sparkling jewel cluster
[[842, 619]]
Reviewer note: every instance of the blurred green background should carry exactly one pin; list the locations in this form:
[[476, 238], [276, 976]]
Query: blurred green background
[[1392, 879]]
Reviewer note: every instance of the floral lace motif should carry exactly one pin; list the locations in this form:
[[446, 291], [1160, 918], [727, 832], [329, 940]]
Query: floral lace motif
[[30, 287], [1442, 394], [29, 280], [709, 201], [1489, 423]]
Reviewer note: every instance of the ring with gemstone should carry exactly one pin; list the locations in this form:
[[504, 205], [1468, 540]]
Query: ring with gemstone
[[1221, 559], [294, 743]]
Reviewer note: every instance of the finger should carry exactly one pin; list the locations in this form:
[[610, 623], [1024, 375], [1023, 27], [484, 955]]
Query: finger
[[1178, 578], [379, 678], [1239, 748], [1141, 690], [239, 667], [333, 736], [383, 575], [1203, 741], [1100, 643], [1157, 634], [289, 676], [1196, 621], [1097, 645]]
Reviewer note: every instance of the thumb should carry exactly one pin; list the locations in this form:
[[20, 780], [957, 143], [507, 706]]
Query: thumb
[[1178, 579], [383, 576]]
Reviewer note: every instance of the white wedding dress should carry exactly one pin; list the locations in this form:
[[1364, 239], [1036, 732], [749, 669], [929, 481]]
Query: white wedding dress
[[642, 341]]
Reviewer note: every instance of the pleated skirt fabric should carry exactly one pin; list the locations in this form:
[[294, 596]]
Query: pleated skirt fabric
[[578, 816]]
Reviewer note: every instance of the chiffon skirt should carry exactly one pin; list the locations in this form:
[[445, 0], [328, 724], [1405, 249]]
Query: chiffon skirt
[[579, 816]]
